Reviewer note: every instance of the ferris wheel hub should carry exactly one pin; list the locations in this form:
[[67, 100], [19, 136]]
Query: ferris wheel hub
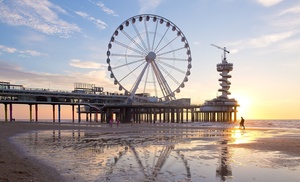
[[151, 56]]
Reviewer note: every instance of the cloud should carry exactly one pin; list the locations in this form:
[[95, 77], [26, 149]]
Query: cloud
[[267, 40], [12, 50], [39, 15], [262, 41], [106, 9], [100, 24], [293, 10], [84, 64], [146, 5], [268, 3], [287, 18], [7, 49]]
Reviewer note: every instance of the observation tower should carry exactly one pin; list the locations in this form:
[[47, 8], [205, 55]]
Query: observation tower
[[224, 68], [221, 108]]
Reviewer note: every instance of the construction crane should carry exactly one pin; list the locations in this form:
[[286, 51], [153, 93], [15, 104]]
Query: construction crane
[[222, 48]]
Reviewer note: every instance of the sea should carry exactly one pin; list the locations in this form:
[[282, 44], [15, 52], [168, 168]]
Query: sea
[[251, 123]]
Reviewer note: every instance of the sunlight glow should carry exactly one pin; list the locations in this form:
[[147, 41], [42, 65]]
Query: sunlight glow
[[245, 105]]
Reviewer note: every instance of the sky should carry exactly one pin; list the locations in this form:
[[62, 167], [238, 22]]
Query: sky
[[55, 43]]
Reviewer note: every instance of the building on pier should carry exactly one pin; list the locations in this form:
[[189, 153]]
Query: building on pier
[[221, 108]]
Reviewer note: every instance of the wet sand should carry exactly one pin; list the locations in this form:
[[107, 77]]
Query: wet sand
[[15, 166]]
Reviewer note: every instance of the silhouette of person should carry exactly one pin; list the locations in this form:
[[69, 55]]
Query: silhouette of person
[[111, 121], [118, 122], [242, 123]]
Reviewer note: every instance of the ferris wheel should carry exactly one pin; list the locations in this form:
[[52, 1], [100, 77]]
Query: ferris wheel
[[149, 55]]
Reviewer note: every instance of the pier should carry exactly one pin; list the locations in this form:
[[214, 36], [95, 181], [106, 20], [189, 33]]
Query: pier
[[98, 106]]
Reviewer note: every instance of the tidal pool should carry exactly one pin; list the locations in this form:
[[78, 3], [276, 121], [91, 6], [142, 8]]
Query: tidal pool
[[162, 155]]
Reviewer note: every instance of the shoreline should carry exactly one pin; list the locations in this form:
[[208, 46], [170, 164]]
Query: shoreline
[[16, 166]]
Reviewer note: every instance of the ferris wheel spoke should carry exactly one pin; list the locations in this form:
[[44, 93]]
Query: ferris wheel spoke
[[146, 80], [171, 66], [168, 52], [133, 41], [172, 59], [162, 38], [165, 71], [140, 37], [139, 60], [166, 45], [128, 47], [131, 71], [154, 37], [147, 34], [127, 55]]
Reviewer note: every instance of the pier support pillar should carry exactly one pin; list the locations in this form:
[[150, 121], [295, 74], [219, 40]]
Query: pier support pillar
[[192, 115], [5, 112], [36, 112], [73, 113], [187, 115], [30, 112], [58, 112], [181, 115], [87, 117], [90, 114], [129, 115], [79, 118], [172, 116], [96, 116], [53, 113], [10, 112], [234, 114]]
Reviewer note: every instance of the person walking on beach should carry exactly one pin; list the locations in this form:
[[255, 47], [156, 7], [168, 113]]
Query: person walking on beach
[[118, 122], [111, 122], [242, 123]]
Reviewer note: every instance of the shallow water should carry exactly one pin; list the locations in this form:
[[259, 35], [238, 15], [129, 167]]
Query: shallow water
[[163, 155]]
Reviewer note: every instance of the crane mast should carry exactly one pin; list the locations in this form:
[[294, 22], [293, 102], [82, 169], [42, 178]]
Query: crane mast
[[222, 48]]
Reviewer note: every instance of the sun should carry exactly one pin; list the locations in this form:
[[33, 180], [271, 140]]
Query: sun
[[245, 105]]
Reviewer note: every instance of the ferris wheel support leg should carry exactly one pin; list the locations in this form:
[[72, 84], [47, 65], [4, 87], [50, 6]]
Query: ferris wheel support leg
[[138, 81]]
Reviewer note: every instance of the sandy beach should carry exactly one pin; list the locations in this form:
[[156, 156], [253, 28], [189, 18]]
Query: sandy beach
[[15, 166]]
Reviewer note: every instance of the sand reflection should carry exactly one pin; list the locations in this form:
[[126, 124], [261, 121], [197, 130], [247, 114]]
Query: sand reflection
[[162, 155]]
